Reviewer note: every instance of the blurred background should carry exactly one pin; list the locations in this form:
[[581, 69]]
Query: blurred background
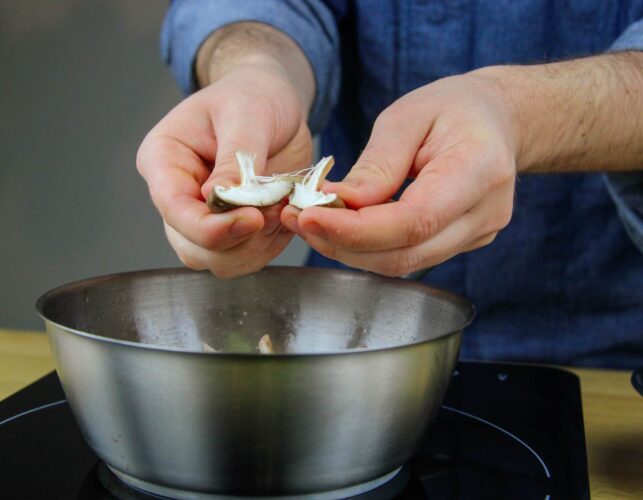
[[81, 84]]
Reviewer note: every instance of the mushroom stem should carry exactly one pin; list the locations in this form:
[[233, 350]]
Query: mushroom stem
[[253, 190], [246, 163]]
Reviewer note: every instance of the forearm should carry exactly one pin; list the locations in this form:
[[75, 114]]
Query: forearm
[[578, 115], [257, 45]]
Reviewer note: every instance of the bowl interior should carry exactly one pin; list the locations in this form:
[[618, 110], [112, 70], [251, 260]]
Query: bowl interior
[[303, 310]]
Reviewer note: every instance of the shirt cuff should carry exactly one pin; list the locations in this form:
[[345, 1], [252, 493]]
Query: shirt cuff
[[626, 188], [308, 22], [630, 39]]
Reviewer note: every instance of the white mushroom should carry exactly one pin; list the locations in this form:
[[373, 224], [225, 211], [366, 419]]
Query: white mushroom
[[207, 347], [265, 345], [307, 192], [254, 190]]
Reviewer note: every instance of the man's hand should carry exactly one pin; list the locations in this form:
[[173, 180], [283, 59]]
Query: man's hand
[[454, 138], [249, 103], [462, 139]]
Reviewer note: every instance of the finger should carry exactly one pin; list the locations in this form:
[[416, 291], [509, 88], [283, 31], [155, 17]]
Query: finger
[[272, 218], [248, 257], [173, 173], [289, 218], [385, 162], [483, 241], [396, 262], [239, 133], [189, 254], [279, 242], [441, 193], [296, 155], [189, 124], [471, 231]]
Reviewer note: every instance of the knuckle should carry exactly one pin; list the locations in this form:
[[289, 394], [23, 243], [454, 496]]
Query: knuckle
[[329, 251], [229, 264], [154, 146], [489, 239], [224, 272], [418, 230], [252, 102], [163, 200], [398, 266], [505, 218], [227, 159], [240, 267], [380, 169], [421, 226], [189, 260], [501, 219], [215, 242], [387, 119], [208, 243], [143, 152], [140, 159], [226, 167], [505, 173], [484, 241]]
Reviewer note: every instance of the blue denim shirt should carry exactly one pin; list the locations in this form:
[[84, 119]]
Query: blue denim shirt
[[563, 283]]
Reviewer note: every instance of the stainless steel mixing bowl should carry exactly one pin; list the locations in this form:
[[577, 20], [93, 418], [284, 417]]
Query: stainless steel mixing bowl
[[362, 363]]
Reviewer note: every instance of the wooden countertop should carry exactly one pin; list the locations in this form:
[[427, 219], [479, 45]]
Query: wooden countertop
[[613, 413]]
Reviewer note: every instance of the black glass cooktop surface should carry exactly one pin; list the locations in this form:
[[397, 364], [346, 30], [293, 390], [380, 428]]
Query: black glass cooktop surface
[[504, 432]]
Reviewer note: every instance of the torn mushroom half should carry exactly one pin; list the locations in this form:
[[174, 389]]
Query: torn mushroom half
[[307, 193], [253, 190], [262, 191], [265, 345]]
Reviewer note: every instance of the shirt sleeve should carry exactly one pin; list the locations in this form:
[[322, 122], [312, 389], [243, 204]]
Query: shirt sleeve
[[310, 23], [626, 189]]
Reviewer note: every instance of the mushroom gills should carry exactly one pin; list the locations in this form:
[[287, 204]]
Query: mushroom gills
[[307, 193], [253, 190]]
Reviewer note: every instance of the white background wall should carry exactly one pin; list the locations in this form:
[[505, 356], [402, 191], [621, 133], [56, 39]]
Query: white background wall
[[80, 85]]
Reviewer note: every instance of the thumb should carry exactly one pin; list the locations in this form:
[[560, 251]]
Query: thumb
[[241, 135], [384, 164]]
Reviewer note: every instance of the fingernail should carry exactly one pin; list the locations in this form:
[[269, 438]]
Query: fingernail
[[241, 228], [315, 229]]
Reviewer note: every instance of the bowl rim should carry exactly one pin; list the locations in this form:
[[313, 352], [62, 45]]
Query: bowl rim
[[464, 305]]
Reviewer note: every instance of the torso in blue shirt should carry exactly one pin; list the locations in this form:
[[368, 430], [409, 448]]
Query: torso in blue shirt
[[562, 283]]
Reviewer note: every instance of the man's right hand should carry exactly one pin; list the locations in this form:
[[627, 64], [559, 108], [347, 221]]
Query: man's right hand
[[253, 107]]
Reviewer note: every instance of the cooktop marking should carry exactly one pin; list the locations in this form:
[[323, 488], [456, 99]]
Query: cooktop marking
[[33, 410], [505, 431], [449, 408]]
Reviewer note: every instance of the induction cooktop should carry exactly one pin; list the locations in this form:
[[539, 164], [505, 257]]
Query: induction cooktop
[[505, 431]]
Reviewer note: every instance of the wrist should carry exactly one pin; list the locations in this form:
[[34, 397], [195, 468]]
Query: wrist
[[518, 98], [493, 89], [256, 47], [576, 115]]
